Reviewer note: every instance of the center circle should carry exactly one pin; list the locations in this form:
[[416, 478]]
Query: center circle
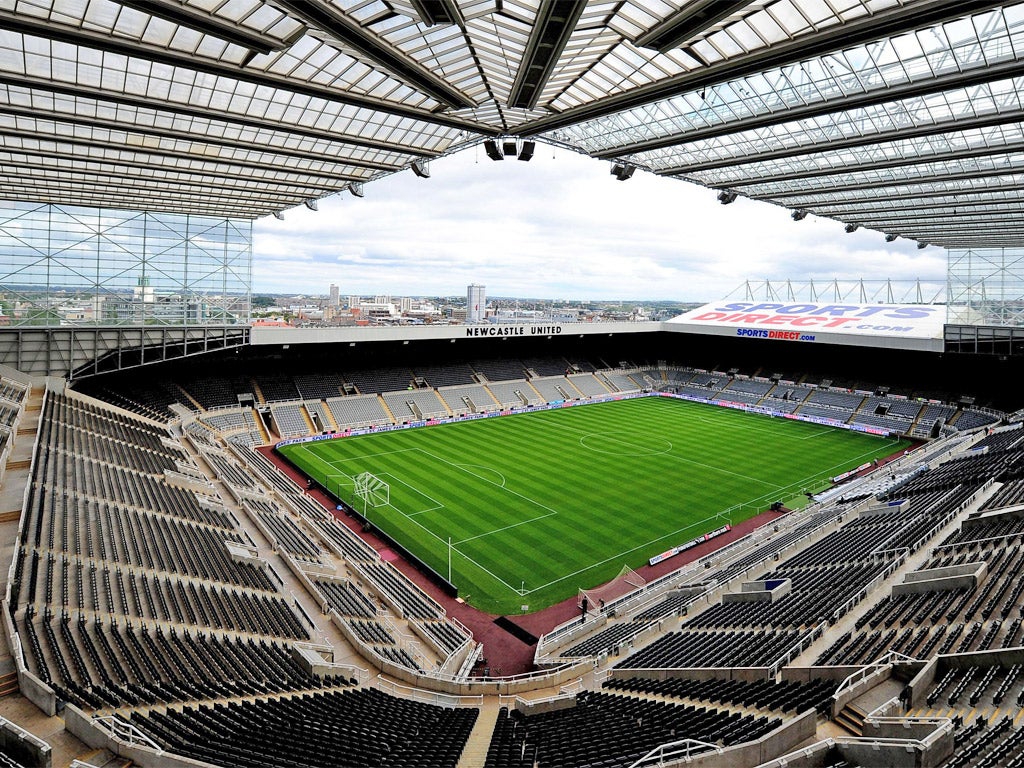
[[625, 445]]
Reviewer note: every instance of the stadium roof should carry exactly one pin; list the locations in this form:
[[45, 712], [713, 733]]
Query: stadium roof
[[898, 115]]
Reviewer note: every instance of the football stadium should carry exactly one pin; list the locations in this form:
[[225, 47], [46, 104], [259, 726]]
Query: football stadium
[[779, 529]]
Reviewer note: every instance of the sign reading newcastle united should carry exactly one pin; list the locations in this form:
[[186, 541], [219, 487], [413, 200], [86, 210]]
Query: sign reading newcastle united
[[513, 330], [803, 321]]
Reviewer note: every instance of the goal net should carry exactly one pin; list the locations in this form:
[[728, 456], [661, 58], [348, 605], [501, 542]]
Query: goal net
[[597, 597], [373, 491]]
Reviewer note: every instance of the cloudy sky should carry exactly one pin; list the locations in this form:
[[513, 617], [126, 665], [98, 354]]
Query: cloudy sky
[[560, 226]]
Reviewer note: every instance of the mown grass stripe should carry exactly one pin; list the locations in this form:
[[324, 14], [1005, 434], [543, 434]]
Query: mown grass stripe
[[564, 498]]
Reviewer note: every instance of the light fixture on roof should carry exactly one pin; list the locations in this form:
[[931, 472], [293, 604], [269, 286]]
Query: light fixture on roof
[[851, 228], [622, 172], [726, 196], [279, 215], [356, 188], [492, 150], [421, 168], [799, 215], [921, 246], [890, 237], [311, 204]]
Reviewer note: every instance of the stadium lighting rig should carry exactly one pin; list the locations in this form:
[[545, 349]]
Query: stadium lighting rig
[[725, 197], [798, 215], [623, 172], [518, 148]]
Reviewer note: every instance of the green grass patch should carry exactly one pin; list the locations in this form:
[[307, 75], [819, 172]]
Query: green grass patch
[[540, 504]]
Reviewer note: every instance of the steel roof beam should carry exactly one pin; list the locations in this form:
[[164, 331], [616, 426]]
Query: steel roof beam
[[687, 23], [887, 23], [888, 197], [906, 90], [199, 138], [552, 28], [157, 204], [164, 153], [958, 176], [876, 165], [203, 21], [227, 191], [852, 142], [85, 92], [439, 12], [49, 30], [342, 27], [70, 159], [898, 204]]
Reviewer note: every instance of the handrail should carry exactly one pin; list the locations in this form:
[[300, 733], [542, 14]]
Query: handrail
[[449, 700], [675, 751]]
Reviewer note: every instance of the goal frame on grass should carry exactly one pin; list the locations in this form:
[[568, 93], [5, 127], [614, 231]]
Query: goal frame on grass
[[373, 491], [623, 584]]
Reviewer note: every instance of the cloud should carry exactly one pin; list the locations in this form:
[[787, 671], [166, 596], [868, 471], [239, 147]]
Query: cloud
[[559, 227]]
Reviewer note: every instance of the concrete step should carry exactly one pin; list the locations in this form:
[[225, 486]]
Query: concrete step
[[851, 719], [8, 684], [475, 753]]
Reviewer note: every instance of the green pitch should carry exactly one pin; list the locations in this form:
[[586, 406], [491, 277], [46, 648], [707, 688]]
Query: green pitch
[[539, 504]]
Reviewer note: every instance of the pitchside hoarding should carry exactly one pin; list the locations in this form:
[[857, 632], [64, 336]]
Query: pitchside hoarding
[[905, 324]]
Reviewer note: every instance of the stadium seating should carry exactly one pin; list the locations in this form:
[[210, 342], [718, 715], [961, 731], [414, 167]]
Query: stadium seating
[[415, 404], [289, 420], [358, 411], [365, 727], [603, 729]]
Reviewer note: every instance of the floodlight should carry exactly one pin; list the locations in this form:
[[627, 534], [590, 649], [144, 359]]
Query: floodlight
[[279, 215], [725, 197], [921, 246], [491, 148], [851, 228], [622, 172], [799, 215], [889, 238], [311, 204], [356, 188], [421, 168]]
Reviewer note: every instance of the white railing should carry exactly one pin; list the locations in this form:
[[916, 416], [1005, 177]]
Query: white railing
[[449, 700], [676, 751], [125, 731]]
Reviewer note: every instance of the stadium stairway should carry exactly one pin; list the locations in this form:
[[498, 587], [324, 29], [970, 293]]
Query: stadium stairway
[[189, 400], [387, 410], [474, 755], [310, 426], [330, 418], [260, 398], [104, 758]]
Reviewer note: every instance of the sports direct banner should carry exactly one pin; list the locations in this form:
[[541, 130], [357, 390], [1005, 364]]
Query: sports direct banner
[[800, 321]]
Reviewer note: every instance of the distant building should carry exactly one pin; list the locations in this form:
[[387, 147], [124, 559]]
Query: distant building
[[335, 297], [476, 303]]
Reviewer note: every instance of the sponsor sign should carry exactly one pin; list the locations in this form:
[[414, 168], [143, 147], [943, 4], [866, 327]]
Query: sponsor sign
[[689, 545], [802, 321], [474, 331]]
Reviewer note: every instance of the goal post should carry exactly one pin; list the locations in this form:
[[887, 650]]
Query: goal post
[[373, 491], [595, 598]]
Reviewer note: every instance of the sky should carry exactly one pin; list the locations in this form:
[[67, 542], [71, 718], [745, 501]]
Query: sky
[[560, 227]]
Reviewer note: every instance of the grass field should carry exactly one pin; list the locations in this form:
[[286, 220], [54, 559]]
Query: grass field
[[539, 504]]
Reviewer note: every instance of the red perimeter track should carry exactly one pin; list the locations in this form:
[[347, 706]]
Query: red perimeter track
[[507, 655]]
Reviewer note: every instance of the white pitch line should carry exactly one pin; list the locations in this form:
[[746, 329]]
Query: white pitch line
[[505, 528]]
